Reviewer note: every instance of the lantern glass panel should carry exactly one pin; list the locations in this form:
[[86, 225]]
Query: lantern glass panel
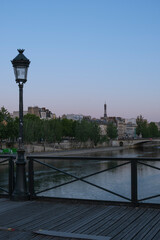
[[20, 72]]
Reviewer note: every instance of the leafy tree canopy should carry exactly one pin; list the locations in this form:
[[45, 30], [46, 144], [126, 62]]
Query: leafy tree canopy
[[112, 132]]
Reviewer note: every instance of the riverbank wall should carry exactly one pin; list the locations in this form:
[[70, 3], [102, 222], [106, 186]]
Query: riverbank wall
[[62, 146], [73, 145], [56, 147]]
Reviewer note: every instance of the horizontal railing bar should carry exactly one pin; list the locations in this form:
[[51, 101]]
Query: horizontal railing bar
[[151, 197], [148, 165], [3, 190], [7, 156], [94, 158]]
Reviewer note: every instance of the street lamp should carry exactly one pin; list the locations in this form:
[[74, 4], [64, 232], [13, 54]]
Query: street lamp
[[20, 64]]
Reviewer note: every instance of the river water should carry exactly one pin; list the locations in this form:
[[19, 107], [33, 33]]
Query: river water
[[117, 180]]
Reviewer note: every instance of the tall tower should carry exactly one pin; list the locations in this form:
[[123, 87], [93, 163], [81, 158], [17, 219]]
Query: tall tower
[[105, 110]]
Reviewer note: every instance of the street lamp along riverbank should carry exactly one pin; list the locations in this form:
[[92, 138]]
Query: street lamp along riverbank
[[20, 64]]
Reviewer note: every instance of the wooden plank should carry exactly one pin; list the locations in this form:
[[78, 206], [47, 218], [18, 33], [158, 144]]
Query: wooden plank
[[7, 206], [67, 222], [117, 222], [90, 218], [106, 224], [96, 221], [106, 220], [7, 235], [71, 235], [141, 235], [23, 212], [140, 223], [108, 229], [55, 219], [157, 236], [120, 233], [37, 216], [127, 221], [153, 231]]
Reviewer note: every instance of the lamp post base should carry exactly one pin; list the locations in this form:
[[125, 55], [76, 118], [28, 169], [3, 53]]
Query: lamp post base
[[20, 191]]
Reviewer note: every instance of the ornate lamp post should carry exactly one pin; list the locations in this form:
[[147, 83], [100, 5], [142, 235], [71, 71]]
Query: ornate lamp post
[[20, 64]]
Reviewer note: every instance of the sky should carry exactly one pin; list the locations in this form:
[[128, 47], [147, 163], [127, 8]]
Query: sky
[[83, 53]]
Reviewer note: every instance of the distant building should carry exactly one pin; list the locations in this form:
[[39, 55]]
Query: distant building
[[131, 125], [158, 125], [87, 118], [75, 117], [34, 110], [103, 129], [121, 127], [43, 113], [126, 127], [16, 114], [130, 120], [113, 120]]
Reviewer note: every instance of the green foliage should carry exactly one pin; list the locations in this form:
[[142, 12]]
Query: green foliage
[[94, 133], [54, 130], [86, 130], [112, 132], [67, 127], [145, 129], [82, 131], [142, 127], [153, 130], [8, 126]]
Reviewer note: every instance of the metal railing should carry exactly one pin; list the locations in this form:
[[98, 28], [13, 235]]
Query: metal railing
[[133, 199], [133, 162], [9, 160]]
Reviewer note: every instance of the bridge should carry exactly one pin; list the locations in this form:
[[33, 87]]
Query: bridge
[[42, 217], [134, 142]]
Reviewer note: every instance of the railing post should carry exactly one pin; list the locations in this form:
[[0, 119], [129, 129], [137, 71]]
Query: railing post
[[134, 182], [11, 176], [31, 178]]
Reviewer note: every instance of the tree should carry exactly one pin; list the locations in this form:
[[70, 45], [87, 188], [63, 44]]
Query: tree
[[32, 128], [142, 127], [67, 127], [112, 132], [95, 133], [82, 131], [5, 119], [12, 129], [153, 130], [86, 130]]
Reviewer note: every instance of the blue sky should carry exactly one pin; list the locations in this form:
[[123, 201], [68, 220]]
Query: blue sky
[[83, 53]]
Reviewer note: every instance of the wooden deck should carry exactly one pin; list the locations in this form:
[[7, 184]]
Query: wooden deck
[[64, 220]]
